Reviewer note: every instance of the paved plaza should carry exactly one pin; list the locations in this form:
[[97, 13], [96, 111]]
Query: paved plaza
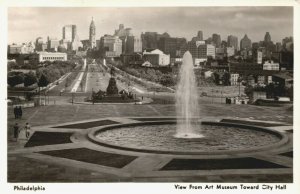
[[59, 149]]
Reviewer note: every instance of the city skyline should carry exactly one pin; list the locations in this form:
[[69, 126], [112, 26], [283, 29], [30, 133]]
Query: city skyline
[[26, 24]]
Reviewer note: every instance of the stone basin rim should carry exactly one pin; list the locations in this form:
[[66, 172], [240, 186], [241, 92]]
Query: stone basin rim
[[283, 138]]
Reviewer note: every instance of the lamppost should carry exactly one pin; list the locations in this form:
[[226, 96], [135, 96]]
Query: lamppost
[[72, 97], [239, 81], [221, 96]]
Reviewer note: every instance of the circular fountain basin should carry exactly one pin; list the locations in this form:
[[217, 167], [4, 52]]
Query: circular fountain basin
[[214, 137]]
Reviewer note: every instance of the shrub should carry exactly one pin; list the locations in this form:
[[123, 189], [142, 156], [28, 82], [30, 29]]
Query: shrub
[[15, 80]]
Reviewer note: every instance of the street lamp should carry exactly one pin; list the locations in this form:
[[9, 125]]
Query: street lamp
[[239, 81], [72, 97]]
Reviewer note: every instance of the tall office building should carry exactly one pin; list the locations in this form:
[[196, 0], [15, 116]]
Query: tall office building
[[52, 44], [200, 50], [149, 40], [122, 32], [92, 34], [206, 50], [111, 46], [232, 41], [199, 36], [216, 40], [245, 43], [69, 33], [171, 46], [40, 45], [267, 37], [70, 38], [288, 43], [132, 44]]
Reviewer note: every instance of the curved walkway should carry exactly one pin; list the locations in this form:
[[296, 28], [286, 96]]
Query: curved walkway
[[66, 146]]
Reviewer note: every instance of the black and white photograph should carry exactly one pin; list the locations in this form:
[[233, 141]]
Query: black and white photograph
[[187, 95]]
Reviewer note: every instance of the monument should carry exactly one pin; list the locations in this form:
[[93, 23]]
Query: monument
[[112, 89], [112, 93]]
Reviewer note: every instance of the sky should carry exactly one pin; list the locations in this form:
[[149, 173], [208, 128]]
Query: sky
[[27, 23]]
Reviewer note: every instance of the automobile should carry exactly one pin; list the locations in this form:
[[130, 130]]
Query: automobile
[[138, 103], [282, 99]]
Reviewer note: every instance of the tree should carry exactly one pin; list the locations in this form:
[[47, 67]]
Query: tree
[[29, 79], [15, 80], [249, 92], [167, 80], [43, 81], [226, 79], [216, 77]]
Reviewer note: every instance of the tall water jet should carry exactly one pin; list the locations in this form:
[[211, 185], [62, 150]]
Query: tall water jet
[[187, 104]]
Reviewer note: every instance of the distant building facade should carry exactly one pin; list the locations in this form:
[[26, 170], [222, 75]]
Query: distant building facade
[[111, 46], [132, 44], [150, 39], [270, 65], [52, 44], [234, 79], [232, 41], [21, 49], [156, 57], [70, 39], [207, 50], [216, 40], [199, 36], [69, 33], [171, 45], [51, 56], [201, 50], [230, 51], [121, 32], [245, 43], [258, 57], [40, 45]]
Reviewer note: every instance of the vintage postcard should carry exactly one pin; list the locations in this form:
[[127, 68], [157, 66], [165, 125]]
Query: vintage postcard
[[183, 98]]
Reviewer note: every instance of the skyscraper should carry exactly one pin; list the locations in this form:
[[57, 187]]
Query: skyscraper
[[267, 37], [111, 46], [69, 33], [232, 41], [216, 40], [132, 44], [245, 43], [70, 39], [52, 44], [199, 36], [92, 34], [170, 45], [123, 32]]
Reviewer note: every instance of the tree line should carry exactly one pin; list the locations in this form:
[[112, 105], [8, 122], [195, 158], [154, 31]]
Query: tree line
[[50, 72]]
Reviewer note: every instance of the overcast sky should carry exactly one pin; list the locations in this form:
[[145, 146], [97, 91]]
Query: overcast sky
[[26, 24]]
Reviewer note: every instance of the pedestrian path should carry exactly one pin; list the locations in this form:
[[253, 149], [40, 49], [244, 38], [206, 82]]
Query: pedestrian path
[[66, 147]]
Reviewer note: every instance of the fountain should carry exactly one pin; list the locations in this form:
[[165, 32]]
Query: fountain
[[186, 134], [187, 103]]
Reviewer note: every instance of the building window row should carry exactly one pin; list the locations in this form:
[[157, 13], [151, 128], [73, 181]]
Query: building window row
[[53, 58]]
